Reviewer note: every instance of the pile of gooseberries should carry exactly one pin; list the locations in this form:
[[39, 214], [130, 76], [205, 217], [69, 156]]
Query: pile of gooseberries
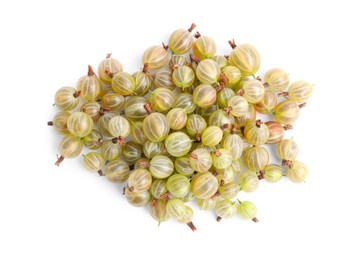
[[187, 126]]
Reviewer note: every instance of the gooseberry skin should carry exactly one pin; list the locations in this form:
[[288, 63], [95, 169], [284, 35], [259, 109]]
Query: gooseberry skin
[[204, 96], [143, 82], [66, 98], [182, 166], [286, 112], [132, 152], [176, 61], [200, 160], [223, 97], [273, 173], [93, 109], [221, 119], [225, 175], [185, 101], [134, 108], [93, 140], [59, 122], [233, 143], [158, 188], [254, 91], [256, 133], [256, 158], [140, 180], [221, 61], [267, 104], [113, 101], [158, 211], [204, 186], [238, 106], [248, 181], [247, 211], [136, 133], [89, 85], [117, 171], [178, 185], [249, 115], [156, 127], [162, 99], [70, 147], [103, 123], [79, 124], [123, 83], [246, 58], [276, 130], [204, 48], [195, 125], [180, 41], [94, 162], [161, 167], [119, 126], [107, 67], [225, 209], [152, 149], [229, 190], [211, 136], [110, 151], [177, 118], [178, 144], [299, 91], [221, 159], [232, 74], [298, 172], [206, 204], [183, 77], [155, 57], [176, 208], [276, 79], [208, 71], [137, 199], [164, 79], [287, 149]]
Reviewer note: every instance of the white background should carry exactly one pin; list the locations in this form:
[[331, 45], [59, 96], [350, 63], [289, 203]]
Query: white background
[[65, 212]]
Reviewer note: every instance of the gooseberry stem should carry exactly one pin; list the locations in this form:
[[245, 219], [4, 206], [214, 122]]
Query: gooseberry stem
[[145, 68], [287, 127], [192, 26], [191, 225], [108, 55], [197, 35], [100, 173], [255, 220], [90, 71], [261, 175], [232, 43], [76, 94], [59, 160], [258, 123], [218, 219], [165, 47], [302, 105], [50, 123], [148, 108], [193, 58]]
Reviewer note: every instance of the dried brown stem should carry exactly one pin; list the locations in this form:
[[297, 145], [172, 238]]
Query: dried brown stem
[[261, 175], [217, 194], [76, 94], [197, 35], [233, 129], [220, 87], [259, 123], [283, 94], [100, 173], [193, 58], [227, 110], [90, 71], [222, 182], [148, 108], [165, 47], [119, 140], [232, 43], [197, 137], [152, 203], [287, 127], [110, 74], [240, 92], [218, 219], [131, 188], [108, 55], [165, 196], [226, 57], [131, 167], [258, 78], [302, 105], [215, 173], [224, 126], [124, 190], [192, 27], [145, 68], [266, 85], [287, 163], [217, 153], [255, 220], [59, 160], [50, 123], [191, 225]]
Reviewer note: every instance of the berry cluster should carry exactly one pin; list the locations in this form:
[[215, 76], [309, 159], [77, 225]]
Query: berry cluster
[[184, 127]]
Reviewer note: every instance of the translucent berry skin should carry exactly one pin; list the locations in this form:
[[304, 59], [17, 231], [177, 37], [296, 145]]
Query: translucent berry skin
[[276, 131], [155, 57], [286, 112], [200, 160], [113, 101], [70, 146], [119, 126], [66, 98], [137, 199], [176, 61], [221, 61], [185, 101], [136, 133], [177, 118], [93, 140], [93, 109], [247, 211], [221, 159], [211, 136], [232, 74], [158, 211], [256, 134], [79, 124], [151, 149], [225, 175], [273, 173], [182, 166], [117, 171], [238, 106], [161, 167], [162, 99], [248, 181], [246, 58], [205, 186], [178, 185], [103, 122], [59, 122], [143, 82], [225, 209], [156, 127], [196, 124], [208, 71], [220, 118], [158, 188], [140, 180], [110, 151], [224, 96], [132, 152], [123, 83], [107, 67], [183, 77], [249, 115], [267, 104], [90, 87], [178, 144], [180, 41], [276, 79], [204, 48], [254, 91], [134, 108], [229, 190], [94, 162], [233, 143], [164, 79], [287, 149], [299, 91], [256, 158], [176, 208], [297, 173]]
